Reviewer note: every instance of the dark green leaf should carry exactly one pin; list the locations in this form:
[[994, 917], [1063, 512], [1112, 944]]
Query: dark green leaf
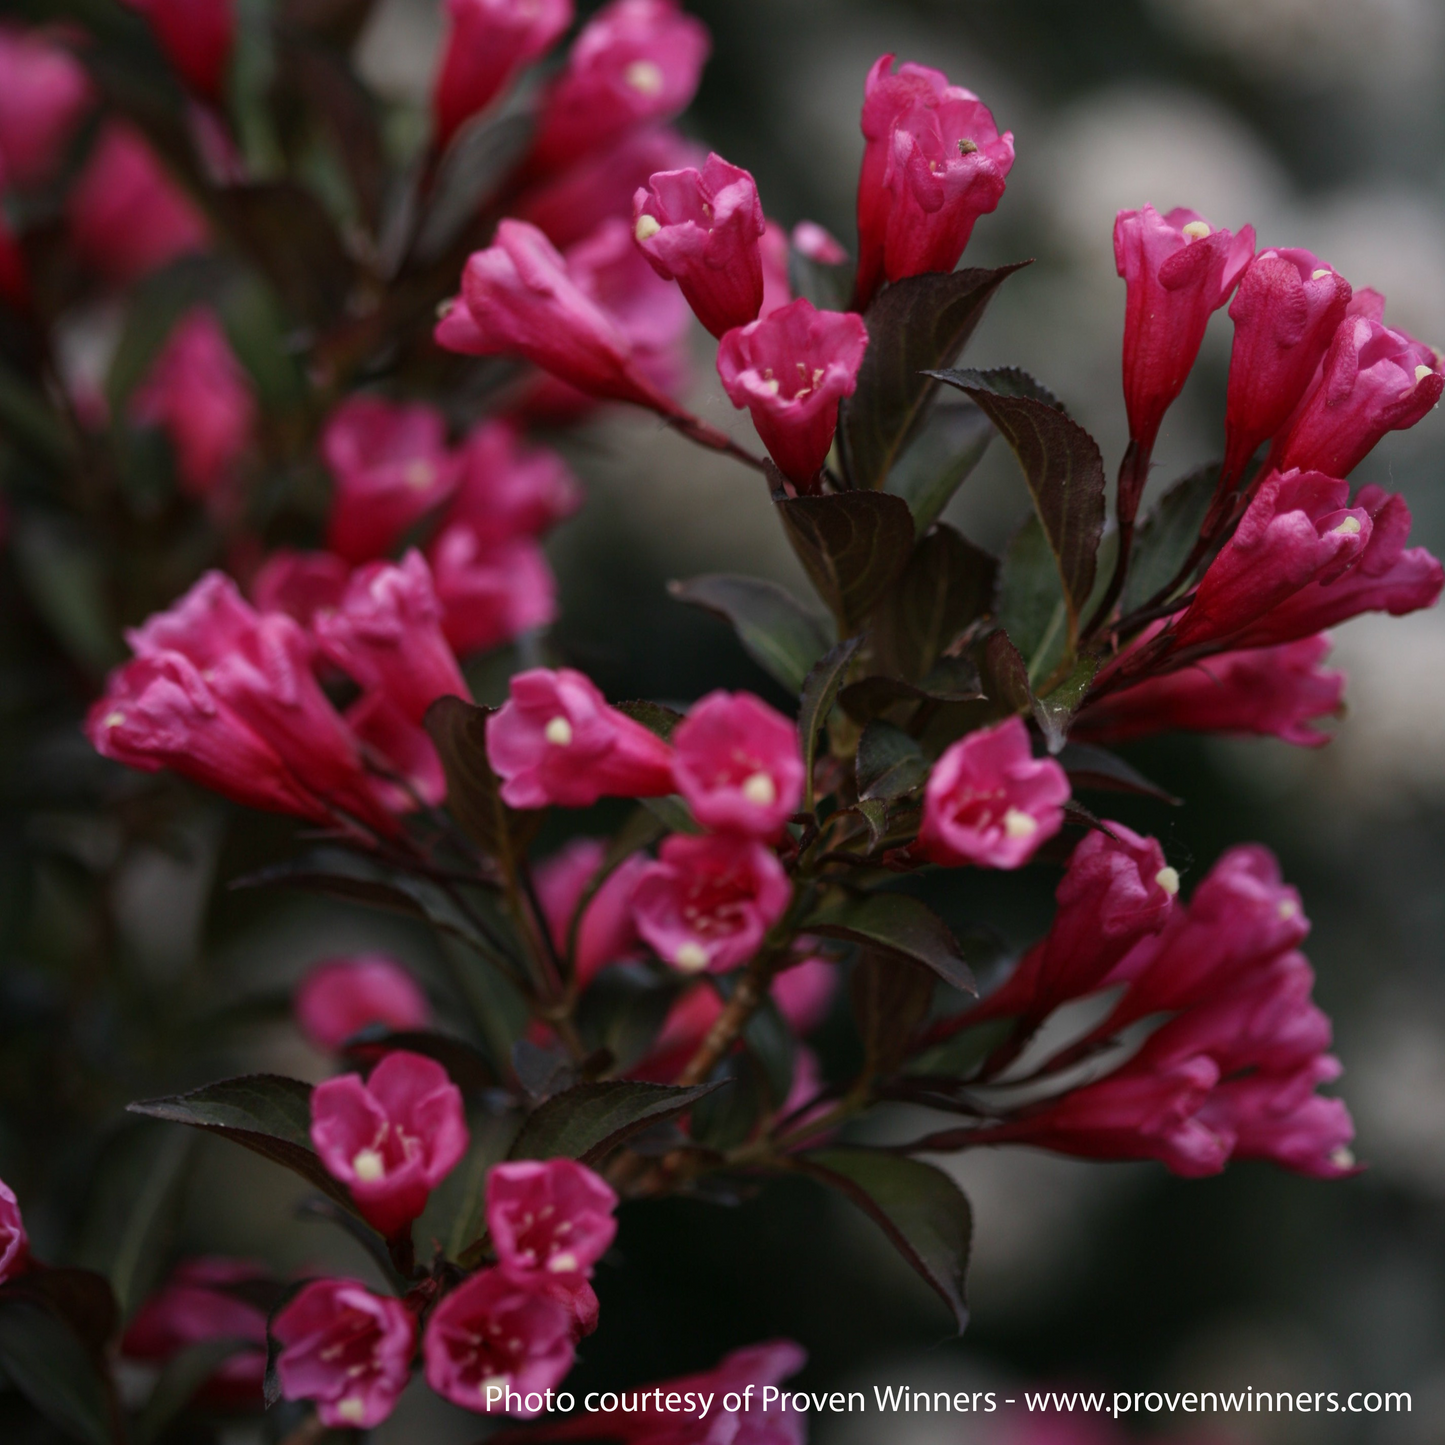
[[289, 235], [654, 716], [775, 629], [1005, 381], [156, 305], [1031, 606], [890, 763], [891, 998], [65, 581], [914, 326], [950, 679], [1065, 475], [960, 1055], [672, 813], [1005, 678], [589, 1121], [900, 925], [772, 1043], [820, 692], [853, 546], [949, 445], [468, 1068], [1098, 768], [459, 731], [1167, 535], [918, 1207], [476, 162], [623, 1010], [43, 1358], [31, 424], [728, 1117], [1055, 712], [947, 584], [181, 1377], [456, 1212]]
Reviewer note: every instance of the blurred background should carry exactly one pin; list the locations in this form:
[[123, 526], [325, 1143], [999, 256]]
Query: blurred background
[[1319, 121]]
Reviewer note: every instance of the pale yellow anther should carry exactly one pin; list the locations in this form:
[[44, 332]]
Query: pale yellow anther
[[1168, 879], [368, 1166], [1018, 824], [644, 76], [1196, 230], [352, 1409], [1422, 371], [420, 474], [646, 226], [771, 386], [1287, 908], [1343, 1158], [113, 719], [760, 790], [558, 732], [1323, 271], [690, 957], [493, 1382], [1350, 527], [563, 1263]]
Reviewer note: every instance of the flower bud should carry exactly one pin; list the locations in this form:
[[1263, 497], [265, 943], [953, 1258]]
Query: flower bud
[[197, 37], [44, 92], [14, 1244], [818, 244], [510, 488], [606, 932], [489, 593], [341, 996]]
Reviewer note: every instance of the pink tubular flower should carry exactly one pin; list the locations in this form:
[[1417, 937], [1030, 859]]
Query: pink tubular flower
[[818, 244], [791, 370], [347, 1349], [197, 37], [1374, 380], [1278, 691], [1285, 313], [990, 802], [390, 465], [300, 584], [634, 62], [127, 217], [606, 932], [490, 593], [520, 296], [934, 163], [550, 1221], [700, 228], [341, 996], [509, 488], [194, 1305], [392, 1139], [492, 1337], [44, 92], [1282, 1119], [199, 396], [709, 900], [738, 764], [14, 1245], [488, 44], [555, 740], [1178, 271], [403, 748], [387, 635]]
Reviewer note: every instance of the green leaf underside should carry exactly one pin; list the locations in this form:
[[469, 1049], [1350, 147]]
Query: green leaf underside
[[1089, 766], [921, 1210], [901, 925], [949, 445], [890, 1000], [1167, 535], [588, 1121], [820, 692], [656, 717], [1031, 605], [890, 763]]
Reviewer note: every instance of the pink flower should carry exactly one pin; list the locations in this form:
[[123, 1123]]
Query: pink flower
[[1275, 691], [300, 584], [606, 932], [14, 269], [127, 217], [989, 801], [634, 62], [804, 991], [194, 1305], [1374, 380], [521, 296], [555, 740], [347, 1349], [14, 1245], [1282, 1119], [509, 488], [1285, 313], [489, 592], [489, 42], [492, 1342], [199, 396], [1178, 271], [403, 749], [342, 996], [392, 1139], [777, 277], [934, 163], [197, 37], [550, 1221], [738, 764], [709, 900], [390, 465], [387, 635], [818, 244], [791, 370], [700, 228], [44, 92]]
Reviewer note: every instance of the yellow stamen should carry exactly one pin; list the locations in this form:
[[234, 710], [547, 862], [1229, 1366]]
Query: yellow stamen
[[558, 732], [1196, 230], [760, 790], [644, 76], [647, 226], [369, 1166], [1168, 880], [1018, 824], [562, 1263], [1323, 271], [690, 957], [1350, 527], [1421, 372], [352, 1410]]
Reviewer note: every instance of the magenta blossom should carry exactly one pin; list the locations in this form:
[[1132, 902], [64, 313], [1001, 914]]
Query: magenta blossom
[[392, 1139], [44, 93], [488, 44], [555, 740], [199, 396], [990, 802], [934, 163], [14, 269], [1280, 1118], [700, 228], [791, 370], [490, 593], [300, 584], [509, 487], [606, 932], [1285, 314], [1178, 271], [738, 764], [708, 901], [410, 766], [386, 634], [197, 37], [14, 1244], [341, 996], [1374, 380], [390, 466], [493, 1336], [550, 1221], [347, 1349], [634, 62], [818, 244]]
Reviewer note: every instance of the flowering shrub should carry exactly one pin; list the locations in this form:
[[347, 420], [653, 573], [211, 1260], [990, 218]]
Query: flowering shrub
[[328, 509]]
